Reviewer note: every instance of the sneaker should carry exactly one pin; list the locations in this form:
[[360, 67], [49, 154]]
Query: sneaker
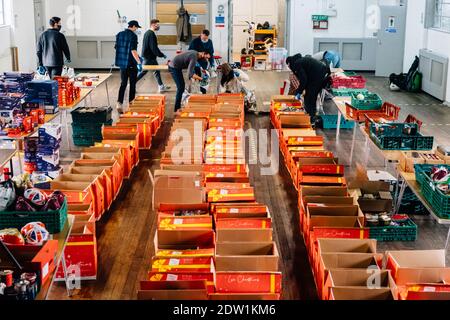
[[163, 88], [119, 107]]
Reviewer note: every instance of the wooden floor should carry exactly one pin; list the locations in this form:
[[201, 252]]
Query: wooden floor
[[125, 235]]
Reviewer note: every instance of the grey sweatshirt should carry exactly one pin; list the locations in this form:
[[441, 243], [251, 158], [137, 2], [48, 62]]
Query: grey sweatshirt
[[186, 60]]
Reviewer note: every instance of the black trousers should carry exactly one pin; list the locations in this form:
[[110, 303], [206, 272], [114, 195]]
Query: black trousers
[[54, 71], [156, 74], [311, 94], [128, 74]]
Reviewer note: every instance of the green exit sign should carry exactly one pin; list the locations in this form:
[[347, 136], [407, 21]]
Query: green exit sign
[[319, 18]]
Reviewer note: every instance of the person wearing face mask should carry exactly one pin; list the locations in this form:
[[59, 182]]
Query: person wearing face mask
[[150, 53], [204, 44], [51, 49], [128, 60]]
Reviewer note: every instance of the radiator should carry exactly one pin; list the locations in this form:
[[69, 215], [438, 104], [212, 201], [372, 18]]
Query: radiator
[[434, 67]]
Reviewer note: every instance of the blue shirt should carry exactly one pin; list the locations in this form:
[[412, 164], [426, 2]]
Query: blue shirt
[[126, 41], [198, 45]]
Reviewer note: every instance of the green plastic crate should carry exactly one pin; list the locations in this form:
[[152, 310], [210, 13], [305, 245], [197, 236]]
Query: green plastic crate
[[404, 143], [372, 101], [350, 73], [348, 92], [330, 122], [54, 220], [439, 201], [408, 232]]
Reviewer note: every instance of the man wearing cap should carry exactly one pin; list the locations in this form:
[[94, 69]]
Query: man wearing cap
[[128, 60]]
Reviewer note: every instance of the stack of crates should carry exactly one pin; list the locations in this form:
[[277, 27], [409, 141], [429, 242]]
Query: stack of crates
[[87, 125]]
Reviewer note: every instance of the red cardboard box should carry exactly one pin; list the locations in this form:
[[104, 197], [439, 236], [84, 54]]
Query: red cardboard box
[[178, 276], [173, 290], [39, 259], [248, 282], [188, 265]]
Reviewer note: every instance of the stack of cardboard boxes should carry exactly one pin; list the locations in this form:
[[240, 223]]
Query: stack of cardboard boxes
[[91, 185], [213, 235], [344, 261]]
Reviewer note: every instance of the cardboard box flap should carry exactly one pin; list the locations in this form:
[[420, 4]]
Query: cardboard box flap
[[351, 294], [418, 258], [348, 261], [246, 249], [347, 246], [323, 191]]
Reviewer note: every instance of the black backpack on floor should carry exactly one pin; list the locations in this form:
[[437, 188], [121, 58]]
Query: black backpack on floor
[[408, 81]]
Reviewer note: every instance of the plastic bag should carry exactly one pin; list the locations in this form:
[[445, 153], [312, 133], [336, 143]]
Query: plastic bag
[[7, 194], [45, 76]]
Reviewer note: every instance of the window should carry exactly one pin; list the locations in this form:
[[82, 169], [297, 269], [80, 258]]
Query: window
[[2, 12], [441, 19]]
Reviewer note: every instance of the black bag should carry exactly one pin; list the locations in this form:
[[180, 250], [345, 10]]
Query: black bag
[[404, 80]]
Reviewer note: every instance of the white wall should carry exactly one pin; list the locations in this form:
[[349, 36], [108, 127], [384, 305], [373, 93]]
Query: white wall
[[22, 34], [5, 52], [350, 21], [418, 37]]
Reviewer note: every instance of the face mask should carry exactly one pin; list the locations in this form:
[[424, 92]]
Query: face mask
[[205, 41], [157, 28], [58, 28]]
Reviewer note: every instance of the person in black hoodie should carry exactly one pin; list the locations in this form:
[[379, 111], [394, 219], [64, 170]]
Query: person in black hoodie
[[313, 76], [51, 49], [151, 52]]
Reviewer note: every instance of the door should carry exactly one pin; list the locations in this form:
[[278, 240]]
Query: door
[[391, 40], [39, 17], [166, 12]]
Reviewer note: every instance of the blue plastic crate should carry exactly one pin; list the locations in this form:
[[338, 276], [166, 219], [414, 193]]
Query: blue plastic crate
[[330, 122]]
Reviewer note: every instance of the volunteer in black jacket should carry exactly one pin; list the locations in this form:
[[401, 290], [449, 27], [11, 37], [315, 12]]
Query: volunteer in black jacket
[[51, 49], [151, 52], [313, 76]]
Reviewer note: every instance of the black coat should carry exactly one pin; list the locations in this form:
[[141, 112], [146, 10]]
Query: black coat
[[150, 48], [51, 48], [310, 72]]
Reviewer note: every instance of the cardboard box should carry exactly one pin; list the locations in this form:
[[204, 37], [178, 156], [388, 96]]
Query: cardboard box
[[129, 153], [166, 187], [410, 158], [243, 223], [76, 192], [248, 282], [348, 294], [378, 203], [329, 261], [184, 223], [354, 278], [173, 290], [179, 276], [81, 250], [130, 141], [244, 235], [246, 256], [323, 191], [407, 266], [104, 175], [39, 259], [80, 209], [99, 201], [189, 265], [144, 127], [347, 246], [175, 210], [112, 168], [231, 195], [197, 253], [244, 297], [184, 240]]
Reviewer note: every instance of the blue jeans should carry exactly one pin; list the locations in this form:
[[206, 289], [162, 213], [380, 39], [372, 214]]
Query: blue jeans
[[177, 75]]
